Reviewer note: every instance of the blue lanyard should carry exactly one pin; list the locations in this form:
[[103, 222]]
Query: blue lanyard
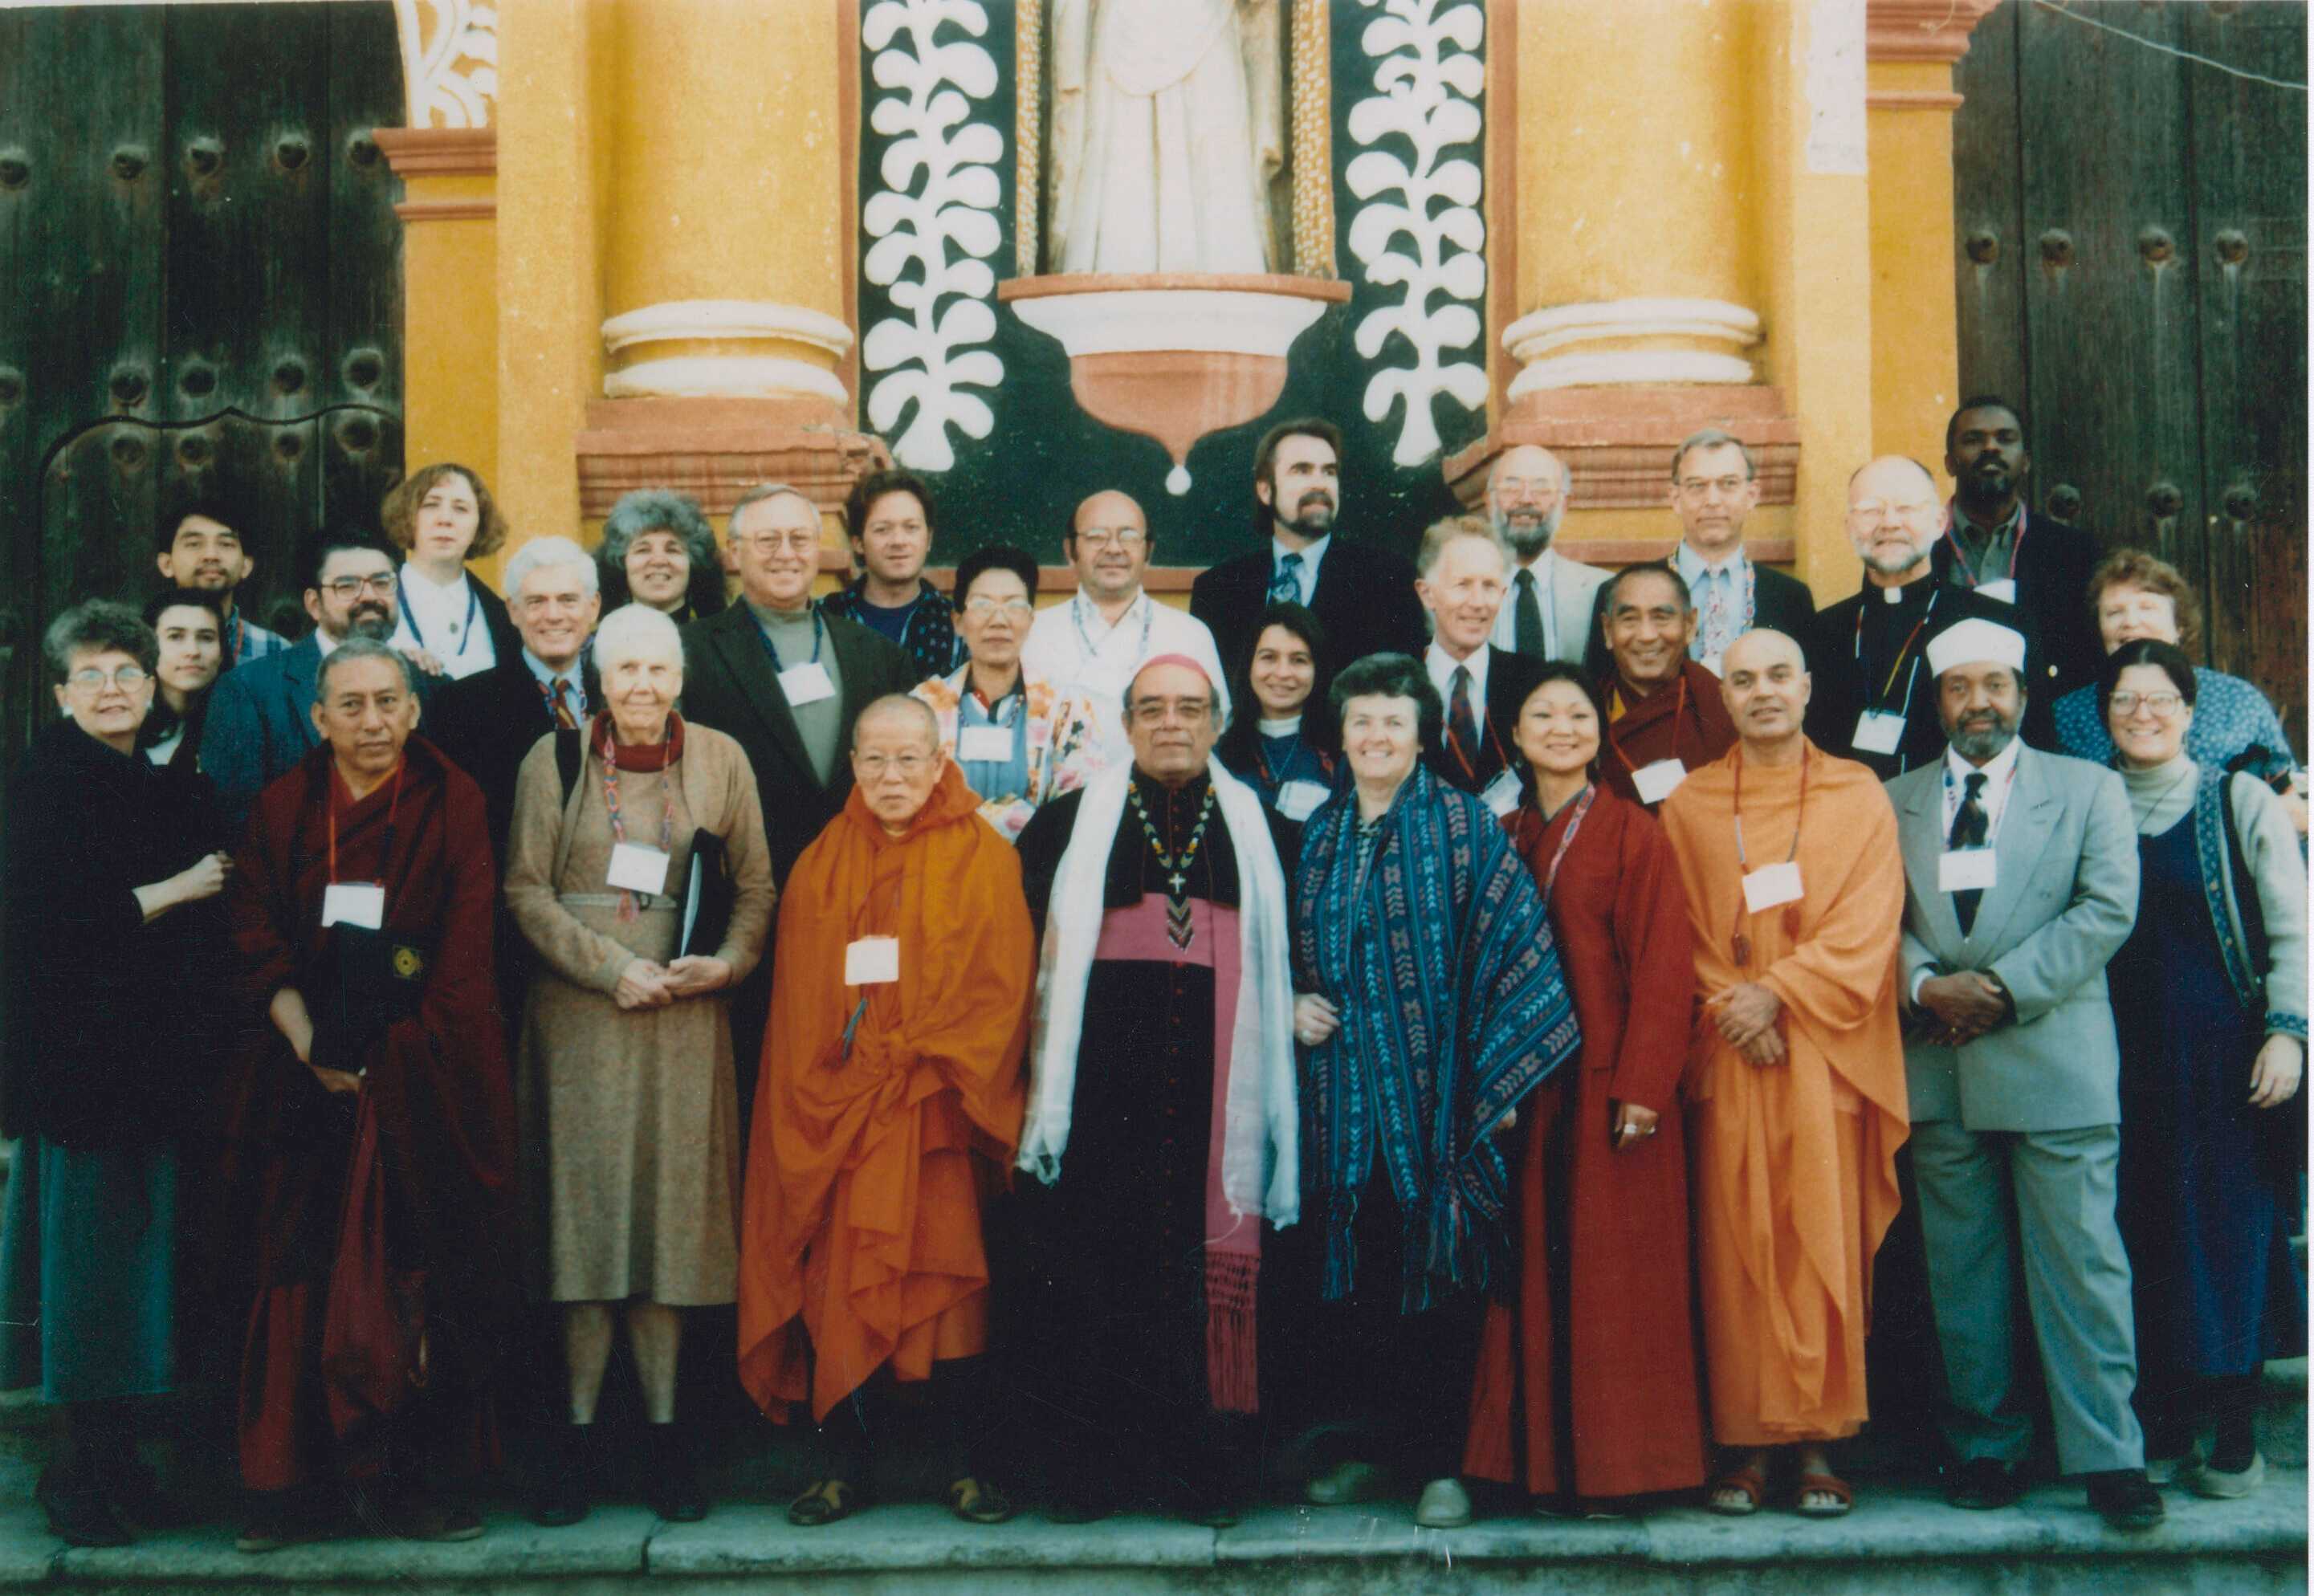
[[410, 619], [818, 626]]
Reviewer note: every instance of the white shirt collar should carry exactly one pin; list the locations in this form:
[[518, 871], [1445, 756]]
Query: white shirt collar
[[1994, 770], [1088, 613], [1440, 666]]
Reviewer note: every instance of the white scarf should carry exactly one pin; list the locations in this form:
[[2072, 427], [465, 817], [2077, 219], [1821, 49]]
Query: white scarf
[[1261, 1169]]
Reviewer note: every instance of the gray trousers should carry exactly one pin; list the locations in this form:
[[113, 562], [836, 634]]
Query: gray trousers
[[1985, 1194]]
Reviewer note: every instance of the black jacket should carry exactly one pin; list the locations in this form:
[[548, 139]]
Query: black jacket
[[1510, 677], [2054, 563], [110, 1028], [1364, 600], [487, 724]]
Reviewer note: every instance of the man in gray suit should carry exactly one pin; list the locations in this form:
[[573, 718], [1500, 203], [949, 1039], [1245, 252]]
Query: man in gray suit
[[2020, 875]]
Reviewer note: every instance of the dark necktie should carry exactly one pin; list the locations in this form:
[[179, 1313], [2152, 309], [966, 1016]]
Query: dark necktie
[[1462, 726], [1285, 585], [558, 699], [1968, 829], [1526, 617]]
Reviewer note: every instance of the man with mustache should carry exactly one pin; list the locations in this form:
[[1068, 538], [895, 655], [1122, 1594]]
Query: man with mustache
[[2021, 872], [1551, 598], [1362, 593], [1715, 485], [1874, 698], [259, 716], [1986, 549], [202, 548], [1664, 715]]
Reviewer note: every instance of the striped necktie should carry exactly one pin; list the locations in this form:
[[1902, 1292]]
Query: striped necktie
[[558, 702]]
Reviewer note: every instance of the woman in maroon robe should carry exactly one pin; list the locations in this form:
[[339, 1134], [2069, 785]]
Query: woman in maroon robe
[[379, 1050], [1587, 1389]]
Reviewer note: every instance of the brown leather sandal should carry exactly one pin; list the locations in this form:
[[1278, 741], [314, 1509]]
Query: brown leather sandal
[[977, 1502], [824, 1502], [1829, 1485], [1749, 1480]]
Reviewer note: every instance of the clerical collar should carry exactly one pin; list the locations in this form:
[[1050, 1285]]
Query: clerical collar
[[1280, 728], [1918, 586]]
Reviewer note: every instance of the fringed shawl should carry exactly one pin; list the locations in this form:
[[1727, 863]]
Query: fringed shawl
[[1454, 1009]]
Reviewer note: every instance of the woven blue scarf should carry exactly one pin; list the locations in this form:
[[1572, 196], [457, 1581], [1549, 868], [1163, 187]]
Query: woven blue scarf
[[1453, 1010]]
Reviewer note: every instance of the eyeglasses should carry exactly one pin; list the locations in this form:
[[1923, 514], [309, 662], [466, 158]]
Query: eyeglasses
[[127, 677], [771, 543], [2162, 704], [1119, 537], [1188, 712], [873, 766], [346, 588], [984, 607]]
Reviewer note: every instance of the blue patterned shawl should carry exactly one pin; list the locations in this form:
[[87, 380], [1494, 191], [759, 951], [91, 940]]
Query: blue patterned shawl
[[1453, 1011]]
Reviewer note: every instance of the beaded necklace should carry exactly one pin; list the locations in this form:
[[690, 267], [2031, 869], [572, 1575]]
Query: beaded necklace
[[1177, 878]]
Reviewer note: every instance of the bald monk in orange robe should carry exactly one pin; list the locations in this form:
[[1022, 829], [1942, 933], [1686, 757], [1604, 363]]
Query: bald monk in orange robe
[[892, 1098], [1796, 1073]]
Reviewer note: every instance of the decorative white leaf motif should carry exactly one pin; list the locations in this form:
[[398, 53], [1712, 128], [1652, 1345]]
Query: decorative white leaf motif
[[1422, 228], [933, 214], [450, 61]]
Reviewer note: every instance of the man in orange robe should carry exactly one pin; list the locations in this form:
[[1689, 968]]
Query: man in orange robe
[[1796, 892], [892, 1100]]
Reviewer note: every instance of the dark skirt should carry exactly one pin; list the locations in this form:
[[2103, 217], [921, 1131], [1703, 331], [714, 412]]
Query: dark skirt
[[88, 1271]]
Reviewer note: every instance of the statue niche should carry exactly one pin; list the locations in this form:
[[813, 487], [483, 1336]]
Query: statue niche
[[1168, 185]]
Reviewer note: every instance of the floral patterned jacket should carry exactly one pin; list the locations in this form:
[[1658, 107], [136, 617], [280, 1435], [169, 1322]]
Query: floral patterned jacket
[[1063, 750]]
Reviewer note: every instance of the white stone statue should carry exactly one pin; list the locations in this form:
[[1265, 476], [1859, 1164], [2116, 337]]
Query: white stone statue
[[1169, 127]]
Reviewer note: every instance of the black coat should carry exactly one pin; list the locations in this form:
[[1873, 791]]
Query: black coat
[[2054, 563], [1364, 600], [487, 723], [1510, 677], [110, 1027]]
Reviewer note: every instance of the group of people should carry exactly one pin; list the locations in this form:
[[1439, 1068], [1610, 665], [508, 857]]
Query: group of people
[[1481, 1014]]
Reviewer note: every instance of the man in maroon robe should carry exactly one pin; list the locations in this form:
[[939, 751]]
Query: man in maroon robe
[[369, 1136], [1665, 717]]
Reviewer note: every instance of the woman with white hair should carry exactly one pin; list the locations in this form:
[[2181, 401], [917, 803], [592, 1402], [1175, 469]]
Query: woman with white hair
[[626, 1047]]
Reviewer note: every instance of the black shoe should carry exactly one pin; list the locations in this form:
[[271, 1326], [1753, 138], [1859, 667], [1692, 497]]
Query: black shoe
[[1981, 1484], [411, 1513], [2127, 1498], [674, 1490], [563, 1478], [79, 1512]]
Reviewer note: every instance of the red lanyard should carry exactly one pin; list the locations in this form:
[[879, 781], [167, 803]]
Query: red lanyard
[[1898, 663], [1742, 944], [394, 803], [1567, 839], [1960, 560]]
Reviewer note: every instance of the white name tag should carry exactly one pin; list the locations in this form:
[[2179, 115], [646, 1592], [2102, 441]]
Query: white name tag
[[871, 961], [1877, 731], [1965, 869], [354, 903], [1656, 781], [1298, 800], [1770, 885], [805, 684], [2003, 588], [985, 745], [1502, 793], [638, 869]]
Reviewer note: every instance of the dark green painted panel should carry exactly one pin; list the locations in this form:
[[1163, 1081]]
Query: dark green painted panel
[[1992, 253]]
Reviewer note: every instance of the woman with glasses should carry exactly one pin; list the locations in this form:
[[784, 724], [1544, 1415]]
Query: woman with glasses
[[2209, 1000], [448, 622], [112, 872], [626, 1042], [1018, 741], [1288, 749], [190, 625]]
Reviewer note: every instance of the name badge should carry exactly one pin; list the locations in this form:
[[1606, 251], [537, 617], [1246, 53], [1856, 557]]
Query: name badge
[[1502, 793], [354, 903], [1299, 799], [638, 869], [1770, 885], [1965, 869], [805, 683], [871, 961], [985, 745], [1879, 731], [2003, 588], [1656, 781]]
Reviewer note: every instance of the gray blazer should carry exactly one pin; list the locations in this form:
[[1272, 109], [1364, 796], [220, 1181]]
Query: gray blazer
[[2063, 904]]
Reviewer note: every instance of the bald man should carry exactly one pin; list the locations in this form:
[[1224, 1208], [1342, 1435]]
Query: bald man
[[1362, 593], [1092, 643], [1549, 608], [1876, 698], [1715, 486], [1795, 893]]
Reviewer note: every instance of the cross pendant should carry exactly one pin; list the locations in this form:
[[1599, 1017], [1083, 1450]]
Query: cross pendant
[[1175, 881]]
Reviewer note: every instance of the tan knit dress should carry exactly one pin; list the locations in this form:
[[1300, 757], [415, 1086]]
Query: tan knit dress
[[636, 1109]]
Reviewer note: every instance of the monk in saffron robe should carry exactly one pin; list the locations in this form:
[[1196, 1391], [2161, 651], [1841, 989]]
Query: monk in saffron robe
[[892, 1098], [1665, 717], [369, 1137], [1796, 892]]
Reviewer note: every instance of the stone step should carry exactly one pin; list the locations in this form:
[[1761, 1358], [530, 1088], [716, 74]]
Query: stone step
[[1897, 1539]]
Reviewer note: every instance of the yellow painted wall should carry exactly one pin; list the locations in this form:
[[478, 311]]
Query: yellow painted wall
[[449, 351], [1915, 351]]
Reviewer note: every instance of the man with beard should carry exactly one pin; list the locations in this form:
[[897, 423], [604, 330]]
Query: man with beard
[[1363, 595], [260, 720], [202, 548], [1874, 698], [2021, 874], [1715, 484], [1552, 598], [1985, 547], [1665, 717]]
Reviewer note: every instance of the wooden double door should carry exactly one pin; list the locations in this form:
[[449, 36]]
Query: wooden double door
[[2131, 245]]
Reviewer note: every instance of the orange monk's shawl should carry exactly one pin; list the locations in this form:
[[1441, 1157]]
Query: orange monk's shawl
[[860, 1243], [1795, 1163]]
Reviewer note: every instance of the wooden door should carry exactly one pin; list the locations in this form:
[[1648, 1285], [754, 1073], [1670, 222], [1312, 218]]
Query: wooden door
[[203, 289], [2131, 244]]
